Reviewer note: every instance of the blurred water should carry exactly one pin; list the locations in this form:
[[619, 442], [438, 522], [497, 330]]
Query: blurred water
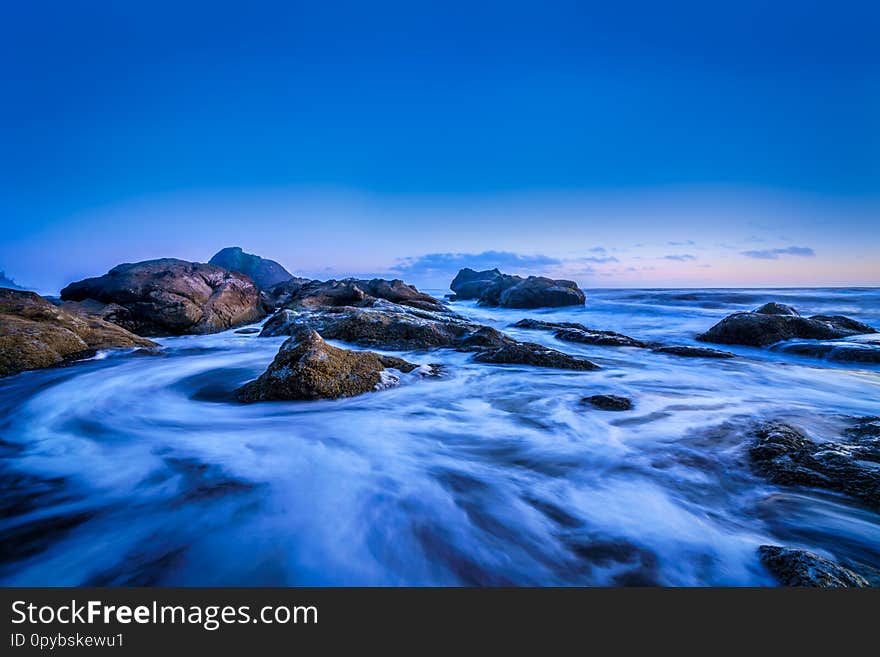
[[141, 470]]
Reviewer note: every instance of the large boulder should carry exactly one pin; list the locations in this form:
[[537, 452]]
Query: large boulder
[[388, 326], [792, 567], [492, 288], [761, 328], [306, 368], [264, 273], [36, 334], [173, 297], [312, 294], [851, 465]]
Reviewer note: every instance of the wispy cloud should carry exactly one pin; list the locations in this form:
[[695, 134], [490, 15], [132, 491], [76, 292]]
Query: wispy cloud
[[682, 257], [598, 259], [433, 264], [775, 254], [685, 243]]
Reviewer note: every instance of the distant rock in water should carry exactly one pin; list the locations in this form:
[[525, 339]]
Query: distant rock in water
[[492, 288], [849, 465], [173, 297], [308, 368], [8, 283], [793, 567], [574, 332], [761, 328], [528, 353], [300, 293], [693, 352], [35, 334], [609, 402], [264, 273]]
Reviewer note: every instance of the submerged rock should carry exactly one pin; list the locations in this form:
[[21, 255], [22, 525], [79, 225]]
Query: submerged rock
[[609, 402], [35, 334], [843, 352], [492, 288], [851, 466], [761, 328], [306, 368], [793, 567], [173, 297], [574, 332], [693, 352], [528, 353], [264, 273]]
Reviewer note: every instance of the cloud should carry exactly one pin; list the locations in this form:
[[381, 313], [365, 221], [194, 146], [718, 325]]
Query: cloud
[[685, 243], [684, 257], [435, 264], [598, 249], [774, 254], [598, 259]]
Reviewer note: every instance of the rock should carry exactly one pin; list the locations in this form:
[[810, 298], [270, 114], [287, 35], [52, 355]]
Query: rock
[[793, 567], [609, 402], [864, 427], [388, 326], [173, 297], [493, 288], [843, 352], [785, 456], [574, 332], [248, 331], [774, 308], [264, 273], [760, 329], [314, 295], [693, 352], [35, 334], [306, 367], [528, 353]]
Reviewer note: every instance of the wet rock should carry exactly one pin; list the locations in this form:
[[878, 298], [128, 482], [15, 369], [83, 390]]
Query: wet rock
[[851, 465], [693, 352], [306, 368], [528, 353], [843, 352], [302, 294], [264, 273], [493, 288], [248, 331], [35, 334], [574, 332], [759, 329], [774, 308], [793, 567], [540, 325], [388, 326], [173, 297], [609, 402], [864, 428]]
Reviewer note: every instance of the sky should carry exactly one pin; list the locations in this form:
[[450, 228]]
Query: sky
[[625, 144]]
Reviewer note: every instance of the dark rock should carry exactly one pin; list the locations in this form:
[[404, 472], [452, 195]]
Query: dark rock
[[248, 331], [388, 326], [173, 297], [785, 456], [793, 567], [541, 325], [843, 352], [693, 352], [601, 338], [864, 428], [306, 367], [528, 353], [314, 295], [264, 273], [759, 330], [774, 308], [35, 334], [493, 288], [609, 402]]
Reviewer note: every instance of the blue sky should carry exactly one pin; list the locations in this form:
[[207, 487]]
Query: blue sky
[[627, 143]]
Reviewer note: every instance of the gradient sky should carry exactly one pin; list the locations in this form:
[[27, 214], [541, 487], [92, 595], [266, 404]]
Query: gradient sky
[[619, 144]]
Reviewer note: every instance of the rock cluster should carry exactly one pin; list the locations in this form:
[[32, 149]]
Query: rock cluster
[[492, 288]]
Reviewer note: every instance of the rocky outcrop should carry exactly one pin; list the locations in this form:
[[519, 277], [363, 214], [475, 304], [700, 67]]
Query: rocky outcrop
[[35, 334], [609, 402], [528, 353], [760, 329], [303, 294], [851, 465], [173, 297], [693, 352], [307, 368], [388, 326], [492, 288], [774, 308], [264, 273], [574, 332], [793, 567]]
